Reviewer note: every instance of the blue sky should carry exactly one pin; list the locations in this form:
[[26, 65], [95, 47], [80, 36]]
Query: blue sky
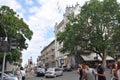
[[41, 16]]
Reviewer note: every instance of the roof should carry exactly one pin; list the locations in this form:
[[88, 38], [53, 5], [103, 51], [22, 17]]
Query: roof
[[92, 56]]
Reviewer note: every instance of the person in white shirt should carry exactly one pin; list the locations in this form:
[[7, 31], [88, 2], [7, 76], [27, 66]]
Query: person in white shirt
[[18, 73], [22, 71]]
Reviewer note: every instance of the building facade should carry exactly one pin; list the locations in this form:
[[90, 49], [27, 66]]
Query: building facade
[[64, 59], [48, 55]]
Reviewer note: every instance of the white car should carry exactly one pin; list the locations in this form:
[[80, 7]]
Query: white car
[[8, 77], [53, 72]]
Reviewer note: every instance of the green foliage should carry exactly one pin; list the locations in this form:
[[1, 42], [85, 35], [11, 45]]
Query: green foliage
[[12, 26], [96, 28]]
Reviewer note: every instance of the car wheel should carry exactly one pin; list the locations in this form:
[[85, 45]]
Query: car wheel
[[46, 76]]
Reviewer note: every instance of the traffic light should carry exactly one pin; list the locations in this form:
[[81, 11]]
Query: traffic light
[[12, 43]]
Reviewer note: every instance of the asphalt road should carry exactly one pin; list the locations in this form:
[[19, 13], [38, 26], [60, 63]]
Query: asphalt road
[[66, 76]]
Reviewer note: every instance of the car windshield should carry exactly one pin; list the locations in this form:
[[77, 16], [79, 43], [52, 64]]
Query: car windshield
[[50, 69], [40, 69]]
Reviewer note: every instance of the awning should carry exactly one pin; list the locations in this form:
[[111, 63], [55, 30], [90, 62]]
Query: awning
[[92, 57]]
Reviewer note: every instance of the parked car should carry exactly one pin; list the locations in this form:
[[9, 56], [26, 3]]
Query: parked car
[[40, 71], [67, 68], [8, 77], [53, 72]]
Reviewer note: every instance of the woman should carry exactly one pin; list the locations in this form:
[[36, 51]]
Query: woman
[[118, 69], [114, 72]]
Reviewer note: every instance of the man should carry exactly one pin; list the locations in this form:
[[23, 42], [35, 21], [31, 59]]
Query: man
[[80, 71], [89, 72], [100, 71]]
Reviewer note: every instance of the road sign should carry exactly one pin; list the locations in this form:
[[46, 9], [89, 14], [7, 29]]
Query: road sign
[[3, 46], [12, 43]]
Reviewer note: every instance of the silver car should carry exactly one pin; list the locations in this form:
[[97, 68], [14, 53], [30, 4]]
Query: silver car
[[53, 72], [8, 77]]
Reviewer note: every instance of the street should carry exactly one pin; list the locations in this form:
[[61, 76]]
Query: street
[[66, 76]]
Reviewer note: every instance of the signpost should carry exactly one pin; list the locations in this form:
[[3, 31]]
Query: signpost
[[4, 48]]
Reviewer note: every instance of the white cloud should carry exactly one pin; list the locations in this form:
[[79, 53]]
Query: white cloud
[[12, 3], [29, 2]]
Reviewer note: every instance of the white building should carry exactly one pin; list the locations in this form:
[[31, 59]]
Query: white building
[[61, 59]]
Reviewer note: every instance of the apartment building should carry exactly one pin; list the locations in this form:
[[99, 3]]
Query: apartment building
[[48, 55], [64, 59], [39, 63]]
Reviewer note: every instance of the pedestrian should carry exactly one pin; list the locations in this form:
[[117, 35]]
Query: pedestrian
[[18, 73], [114, 72], [22, 71], [84, 76], [100, 71], [89, 72], [80, 71], [118, 69]]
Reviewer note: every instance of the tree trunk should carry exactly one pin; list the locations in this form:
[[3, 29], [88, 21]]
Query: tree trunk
[[104, 59], [75, 51]]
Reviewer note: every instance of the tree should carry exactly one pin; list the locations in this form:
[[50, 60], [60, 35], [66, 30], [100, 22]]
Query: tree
[[12, 26], [96, 28]]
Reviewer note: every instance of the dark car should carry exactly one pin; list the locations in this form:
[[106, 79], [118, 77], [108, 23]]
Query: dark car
[[40, 71]]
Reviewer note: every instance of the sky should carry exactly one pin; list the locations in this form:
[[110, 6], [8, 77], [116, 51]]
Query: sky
[[41, 16]]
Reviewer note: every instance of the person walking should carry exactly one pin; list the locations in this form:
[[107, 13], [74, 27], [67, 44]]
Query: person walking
[[114, 72], [100, 71], [18, 73], [89, 72], [80, 71], [22, 71], [118, 69]]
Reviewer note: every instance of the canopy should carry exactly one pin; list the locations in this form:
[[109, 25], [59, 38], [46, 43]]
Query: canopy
[[92, 57]]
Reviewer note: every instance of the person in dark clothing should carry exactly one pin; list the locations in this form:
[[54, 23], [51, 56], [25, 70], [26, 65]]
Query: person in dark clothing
[[80, 71], [100, 71]]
